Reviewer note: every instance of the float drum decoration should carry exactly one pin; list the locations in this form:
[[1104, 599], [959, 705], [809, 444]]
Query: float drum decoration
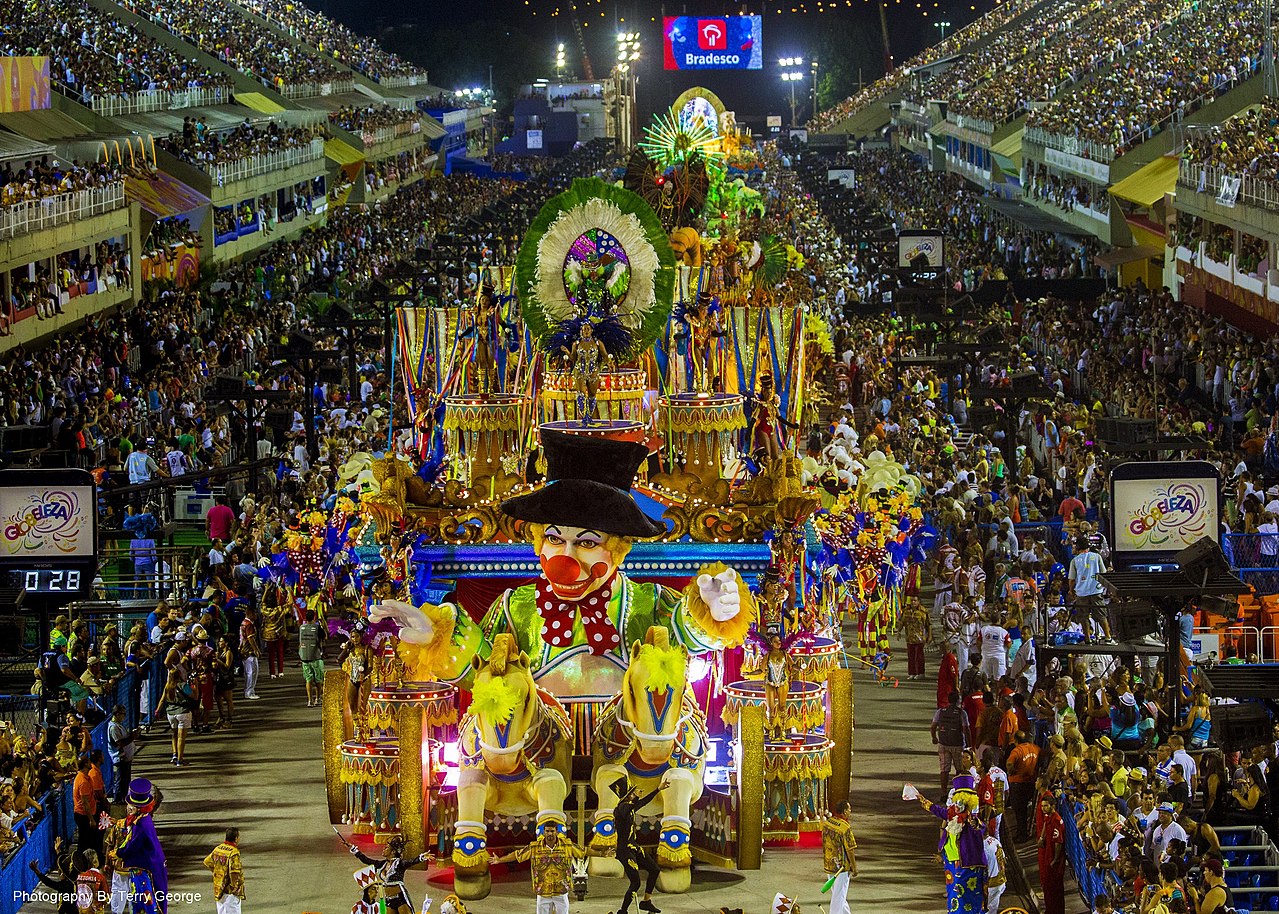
[[515, 753], [652, 731]]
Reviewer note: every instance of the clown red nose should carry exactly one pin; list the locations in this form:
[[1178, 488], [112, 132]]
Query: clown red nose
[[564, 569]]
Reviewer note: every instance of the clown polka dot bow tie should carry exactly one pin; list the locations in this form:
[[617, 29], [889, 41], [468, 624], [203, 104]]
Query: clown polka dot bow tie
[[558, 618]]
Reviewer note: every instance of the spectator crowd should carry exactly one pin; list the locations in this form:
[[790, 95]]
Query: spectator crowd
[[220, 28], [1246, 144], [49, 177], [1210, 47], [960, 41], [359, 118], [1103, 34], [331, 37], [197, 145], [94, 54]]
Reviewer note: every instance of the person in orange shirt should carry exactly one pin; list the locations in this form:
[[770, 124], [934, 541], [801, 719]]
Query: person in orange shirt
[[99, 785], [1021, 765], [84, 796], [1008, 725]]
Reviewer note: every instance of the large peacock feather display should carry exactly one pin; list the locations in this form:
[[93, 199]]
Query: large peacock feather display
[[596, 253]]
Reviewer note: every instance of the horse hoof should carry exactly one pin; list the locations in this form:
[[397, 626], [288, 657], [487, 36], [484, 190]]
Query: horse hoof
[[675, 882], [472, 887], [604, 866]]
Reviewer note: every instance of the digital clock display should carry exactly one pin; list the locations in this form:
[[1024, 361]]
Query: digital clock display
[[49, 580]]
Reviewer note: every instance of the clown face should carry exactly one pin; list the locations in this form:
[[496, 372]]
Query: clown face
[[576, 560]]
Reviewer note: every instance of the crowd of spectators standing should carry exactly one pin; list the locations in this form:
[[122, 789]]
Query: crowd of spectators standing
[[335, 39], [221, 29], [1208, 48], [1066, 192], [95, 54], [197, 145]]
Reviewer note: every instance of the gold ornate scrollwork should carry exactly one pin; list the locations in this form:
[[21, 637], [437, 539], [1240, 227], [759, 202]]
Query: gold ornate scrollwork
[[476, 525]]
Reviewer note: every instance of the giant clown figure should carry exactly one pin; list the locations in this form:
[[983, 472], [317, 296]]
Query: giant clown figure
[[578, 621]]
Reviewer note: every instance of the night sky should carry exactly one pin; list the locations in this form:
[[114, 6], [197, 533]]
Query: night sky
[[847, 31]]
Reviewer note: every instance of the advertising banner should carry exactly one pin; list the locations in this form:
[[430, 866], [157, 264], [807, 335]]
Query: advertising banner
[[1162, 507], [715, 43], [25, 82], [47, 521]]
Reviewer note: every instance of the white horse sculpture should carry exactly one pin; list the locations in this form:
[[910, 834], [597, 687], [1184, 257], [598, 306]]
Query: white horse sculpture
[[515, 754]]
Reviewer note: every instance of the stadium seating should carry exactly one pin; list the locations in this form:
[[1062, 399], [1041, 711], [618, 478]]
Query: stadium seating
[[1213, 47]]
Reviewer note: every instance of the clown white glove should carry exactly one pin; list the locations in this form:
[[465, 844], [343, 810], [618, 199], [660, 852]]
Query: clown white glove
[[415, 626], [720, 594]]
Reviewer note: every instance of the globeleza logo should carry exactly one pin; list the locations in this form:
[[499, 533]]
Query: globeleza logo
[[48, 519], [1172, 515], [712, 34]]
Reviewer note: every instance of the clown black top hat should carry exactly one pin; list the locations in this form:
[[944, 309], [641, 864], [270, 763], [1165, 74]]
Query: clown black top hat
[[589, 481]]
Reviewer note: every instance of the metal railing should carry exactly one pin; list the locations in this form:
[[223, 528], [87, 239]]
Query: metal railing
[[401, 82], [251, 166], [37, 215], [1071, 145], [156, 100], [1207, 179], [1253, 552], [387, 134], [313, 89]]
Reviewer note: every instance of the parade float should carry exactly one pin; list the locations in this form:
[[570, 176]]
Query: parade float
[[593, 556]]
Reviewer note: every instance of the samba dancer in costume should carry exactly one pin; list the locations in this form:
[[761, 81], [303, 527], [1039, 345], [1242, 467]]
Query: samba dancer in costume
[[766, 419], [586, 361], [391, 869], [777, 677]]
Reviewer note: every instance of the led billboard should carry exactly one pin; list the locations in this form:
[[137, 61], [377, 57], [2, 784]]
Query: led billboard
[[713, 43]]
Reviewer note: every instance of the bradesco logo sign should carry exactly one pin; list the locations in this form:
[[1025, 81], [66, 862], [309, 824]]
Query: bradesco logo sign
[[712, 34], [723, 43]]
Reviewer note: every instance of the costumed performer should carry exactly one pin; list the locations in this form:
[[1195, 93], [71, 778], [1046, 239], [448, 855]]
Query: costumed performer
[[777, 677], [839, 856], [766, 419], [586, 361], [140, 852], [391, 870], [633, 857], [962, 851], [550, 858]]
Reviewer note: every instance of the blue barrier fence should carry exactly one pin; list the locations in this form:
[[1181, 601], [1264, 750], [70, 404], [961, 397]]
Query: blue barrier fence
[[139, 692], [1092, 882]]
